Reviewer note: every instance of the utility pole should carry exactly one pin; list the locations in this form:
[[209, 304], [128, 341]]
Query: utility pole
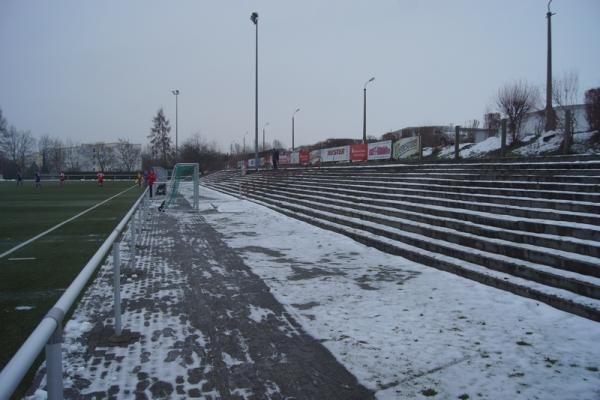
[[293, 115], [176, 93], [365, 109], [550, 114], [254, 19]]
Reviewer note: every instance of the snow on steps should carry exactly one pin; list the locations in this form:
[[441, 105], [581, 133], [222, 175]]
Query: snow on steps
[[424, 220], [558, 298], [576, 282], [363, 211]]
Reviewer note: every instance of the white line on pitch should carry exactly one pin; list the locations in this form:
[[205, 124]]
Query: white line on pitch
[[21, 258], [17, 247]]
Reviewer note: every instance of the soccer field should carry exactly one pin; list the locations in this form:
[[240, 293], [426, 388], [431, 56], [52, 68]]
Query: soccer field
[[33, 277]]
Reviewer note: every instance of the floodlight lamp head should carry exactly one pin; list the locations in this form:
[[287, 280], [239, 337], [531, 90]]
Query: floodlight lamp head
[[254, 18], [175, 92]]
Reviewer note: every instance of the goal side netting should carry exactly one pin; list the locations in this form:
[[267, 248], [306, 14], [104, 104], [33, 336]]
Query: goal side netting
[[183, 172]]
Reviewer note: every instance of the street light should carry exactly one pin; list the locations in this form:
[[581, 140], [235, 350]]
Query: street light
[[297, 109], [365, 109], [550, 115], [267, 124], [254, 19], [176, 93]]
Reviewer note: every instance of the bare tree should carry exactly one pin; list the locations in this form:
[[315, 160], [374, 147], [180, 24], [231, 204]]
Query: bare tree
[[44, 148], [565, 90], [129, 155], [57, 155], [104, 156], [515, 100], [72, 156], [3, 134], [277, 144]]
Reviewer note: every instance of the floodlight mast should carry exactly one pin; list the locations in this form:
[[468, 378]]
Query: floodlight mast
[[297, 109], [254, 19], [176, 93], [365, 109]]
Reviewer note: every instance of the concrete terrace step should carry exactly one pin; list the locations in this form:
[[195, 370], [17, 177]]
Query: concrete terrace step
[[400, 183], [507, 232], [450, 181], [489, 253], [526, 207], [521, 176], [496, 220], [555, 204], [371, 235]]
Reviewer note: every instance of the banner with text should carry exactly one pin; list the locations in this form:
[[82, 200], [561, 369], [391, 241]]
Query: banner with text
[[295, 157], [406, 147], [359, 152], [380, 150], [304, 157], [284, 158], [315, 157], [333, 154]]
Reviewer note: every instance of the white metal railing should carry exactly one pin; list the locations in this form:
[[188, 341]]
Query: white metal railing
[[48, 333]]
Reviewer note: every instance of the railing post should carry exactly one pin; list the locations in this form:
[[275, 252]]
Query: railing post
[[117, 285], [568, 136], [132, 228], [54, 370], [457, 142], [503, 139]]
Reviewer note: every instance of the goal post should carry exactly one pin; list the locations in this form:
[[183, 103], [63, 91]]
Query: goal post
[[182, 172]]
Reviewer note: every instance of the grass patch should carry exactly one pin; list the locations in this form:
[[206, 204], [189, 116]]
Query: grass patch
[[428, 392], [592, 369], [464, 396], [49, 264]]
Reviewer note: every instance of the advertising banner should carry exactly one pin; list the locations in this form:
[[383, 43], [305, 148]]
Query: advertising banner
[[406, 147], [251, 163], [285, 158], [304, 157], [333, 154], [295, 157], [380, 150], [315, 157], [359, 152]]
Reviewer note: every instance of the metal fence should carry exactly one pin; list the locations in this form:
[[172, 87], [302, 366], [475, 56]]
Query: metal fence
[[49, 332]]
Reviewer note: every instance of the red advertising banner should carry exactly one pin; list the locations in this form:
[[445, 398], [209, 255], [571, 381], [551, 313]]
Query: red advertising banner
[[359, 152], [304, 157]]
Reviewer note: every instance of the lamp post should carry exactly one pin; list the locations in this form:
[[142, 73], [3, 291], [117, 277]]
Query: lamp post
[[297, 109], [176, 93], [550, 115], [365, 109], [267, 124], [254, 19], [244, 151]]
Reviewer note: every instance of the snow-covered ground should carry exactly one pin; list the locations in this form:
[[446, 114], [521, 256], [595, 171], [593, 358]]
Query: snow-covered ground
[[533, 146], [406, 330]]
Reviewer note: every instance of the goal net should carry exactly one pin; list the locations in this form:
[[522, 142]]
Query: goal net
[[183, 172]]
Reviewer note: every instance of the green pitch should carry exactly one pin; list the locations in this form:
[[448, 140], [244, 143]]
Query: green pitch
[[33, 277]]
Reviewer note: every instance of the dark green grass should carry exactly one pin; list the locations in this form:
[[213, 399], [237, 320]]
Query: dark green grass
[[59, 256]]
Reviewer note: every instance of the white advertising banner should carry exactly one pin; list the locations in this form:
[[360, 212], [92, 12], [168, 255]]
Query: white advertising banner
[[295, 158], [406, 147], [251, 163], [315, 157], [333, 154], [380, 150]]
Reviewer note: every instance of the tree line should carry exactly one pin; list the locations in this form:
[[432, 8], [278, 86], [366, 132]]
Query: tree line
[[21, 151]]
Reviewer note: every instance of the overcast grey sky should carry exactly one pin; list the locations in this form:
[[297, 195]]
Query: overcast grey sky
[[99, 70]]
